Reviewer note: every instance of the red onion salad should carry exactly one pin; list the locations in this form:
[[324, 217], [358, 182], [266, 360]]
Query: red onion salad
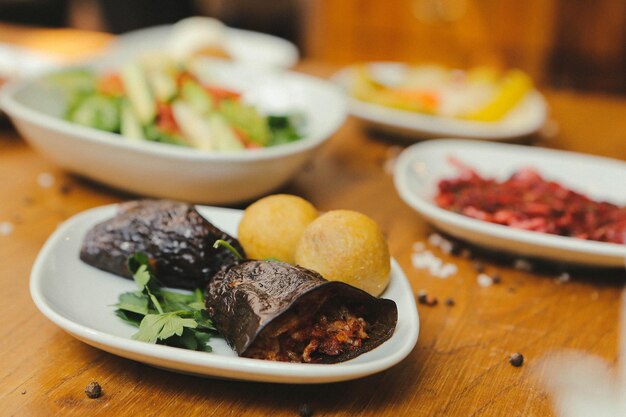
[[528, 201]]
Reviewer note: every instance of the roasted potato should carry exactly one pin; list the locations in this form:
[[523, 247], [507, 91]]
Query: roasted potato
[[272, 226], [348, 246]]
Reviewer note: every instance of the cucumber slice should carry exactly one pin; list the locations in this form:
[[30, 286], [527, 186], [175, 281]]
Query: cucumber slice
[[73, 81], [163, 85], [97, 111], [197, 97], [248, 119], [194, 127], [131, 127], [223, 134], [161, 73], [139, 94]]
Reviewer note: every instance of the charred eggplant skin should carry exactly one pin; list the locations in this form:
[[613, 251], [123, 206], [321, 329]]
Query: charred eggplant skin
[[176, 238], [244, 297]]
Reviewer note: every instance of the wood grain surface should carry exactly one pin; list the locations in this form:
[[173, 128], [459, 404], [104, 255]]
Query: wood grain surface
[[459, 366]]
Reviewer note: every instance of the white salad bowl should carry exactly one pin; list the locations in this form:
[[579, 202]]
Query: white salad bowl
[[254, 48], [168, 171]]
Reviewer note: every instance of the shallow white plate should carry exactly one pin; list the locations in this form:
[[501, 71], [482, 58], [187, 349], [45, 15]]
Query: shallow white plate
[[79, 298], [420, 167], [245, 46], [18, 62], [523, 120], [168, 171]]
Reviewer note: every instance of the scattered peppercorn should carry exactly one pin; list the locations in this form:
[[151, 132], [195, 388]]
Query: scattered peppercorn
[[424, 298], [522, 265], [457, 250], [449, 302], [496, 278], [24, 392], [516, 359], [93, 390], [305, 410], [65, 189]]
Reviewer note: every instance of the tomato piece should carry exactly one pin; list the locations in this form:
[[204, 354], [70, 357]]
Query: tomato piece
[[221, 93], [111, 85], [245, 139], [181, 77], [165, 118]]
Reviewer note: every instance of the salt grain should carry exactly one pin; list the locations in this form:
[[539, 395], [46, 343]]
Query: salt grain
[[449, 269], [418, 246], [446, 246], [564, 277], [522, 265], [6, 228], [427, 260], [392, 156], [45, 180], [435, 239], [484, 280]]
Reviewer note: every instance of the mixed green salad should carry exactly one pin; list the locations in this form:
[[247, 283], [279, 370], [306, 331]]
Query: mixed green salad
[[158, 100]]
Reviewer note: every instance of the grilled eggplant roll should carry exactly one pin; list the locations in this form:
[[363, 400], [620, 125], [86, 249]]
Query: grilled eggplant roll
[[277, 311], [176, 238]]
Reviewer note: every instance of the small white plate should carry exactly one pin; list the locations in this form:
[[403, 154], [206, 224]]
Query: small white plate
[[17, 62], [526, 118], [420, 167], [244, 46], [79, 298]]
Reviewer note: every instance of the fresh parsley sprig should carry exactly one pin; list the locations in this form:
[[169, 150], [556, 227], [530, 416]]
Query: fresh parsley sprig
[[162, 316]]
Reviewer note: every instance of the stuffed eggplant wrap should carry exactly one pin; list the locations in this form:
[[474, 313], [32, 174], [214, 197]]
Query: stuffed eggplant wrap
[[176, 238], [277, 311]]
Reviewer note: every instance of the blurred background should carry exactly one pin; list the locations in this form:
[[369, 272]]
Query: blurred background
[[565, 44]]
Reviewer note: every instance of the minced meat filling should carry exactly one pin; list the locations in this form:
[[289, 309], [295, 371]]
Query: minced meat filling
[[304, 335]]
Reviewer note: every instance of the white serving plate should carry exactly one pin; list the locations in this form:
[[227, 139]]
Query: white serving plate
[[526, 118], [79, 299], [168, 171], [420, 167], [244, 46], [19, 62]]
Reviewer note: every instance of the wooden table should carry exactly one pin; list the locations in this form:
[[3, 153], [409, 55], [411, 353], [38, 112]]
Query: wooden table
[[458, 368]]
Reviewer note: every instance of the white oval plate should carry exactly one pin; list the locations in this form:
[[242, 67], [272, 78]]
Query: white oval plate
[[162, 170], [523, 120], [18, 62], [245, 46], [79, 298], [420, 167]]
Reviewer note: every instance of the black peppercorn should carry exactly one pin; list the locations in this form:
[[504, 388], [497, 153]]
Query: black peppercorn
[[93, 390], [424, 298], [449, 302], [516, 359]]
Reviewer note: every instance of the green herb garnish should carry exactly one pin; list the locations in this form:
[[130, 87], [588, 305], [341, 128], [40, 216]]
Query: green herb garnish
[[225, 244], [162, 316], [283, 129]]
